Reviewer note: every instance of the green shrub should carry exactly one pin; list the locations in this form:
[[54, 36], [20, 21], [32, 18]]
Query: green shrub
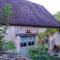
[[41, 53], [38, 53], [10, 45]]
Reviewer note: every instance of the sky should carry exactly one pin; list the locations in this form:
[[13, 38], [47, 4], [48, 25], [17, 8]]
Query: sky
[[52, 6]]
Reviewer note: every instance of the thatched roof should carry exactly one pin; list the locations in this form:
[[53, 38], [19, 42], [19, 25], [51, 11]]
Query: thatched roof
[[26, 13]]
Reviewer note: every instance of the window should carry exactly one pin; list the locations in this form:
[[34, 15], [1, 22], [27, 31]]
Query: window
[[30, 43], [27, 41], [23, 44]]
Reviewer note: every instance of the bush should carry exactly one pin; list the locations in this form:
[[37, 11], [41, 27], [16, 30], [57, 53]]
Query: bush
[[38, 53], [10, 45], [41, 53]]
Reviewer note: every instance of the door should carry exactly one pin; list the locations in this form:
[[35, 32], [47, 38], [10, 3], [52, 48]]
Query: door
[[23, 46], [26, 42]]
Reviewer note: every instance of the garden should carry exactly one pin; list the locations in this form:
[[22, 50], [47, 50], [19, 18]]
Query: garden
[[41, 52]]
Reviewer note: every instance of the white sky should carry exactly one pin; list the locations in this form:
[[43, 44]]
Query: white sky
[[51, 5]]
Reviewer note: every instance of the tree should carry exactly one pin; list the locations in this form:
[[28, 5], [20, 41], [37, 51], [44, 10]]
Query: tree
[[5, 15], [57, 16]]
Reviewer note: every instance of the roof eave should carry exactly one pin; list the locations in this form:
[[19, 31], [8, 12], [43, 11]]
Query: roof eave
[[32, 25]]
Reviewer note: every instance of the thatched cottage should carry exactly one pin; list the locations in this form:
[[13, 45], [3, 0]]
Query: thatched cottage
[[27, 21]]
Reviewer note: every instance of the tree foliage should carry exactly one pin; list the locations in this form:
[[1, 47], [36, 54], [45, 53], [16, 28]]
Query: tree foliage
[[8, 11], [5, 14], [57, 16]]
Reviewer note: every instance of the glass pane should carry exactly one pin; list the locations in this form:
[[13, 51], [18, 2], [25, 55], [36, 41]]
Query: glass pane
[[32, 42], [29, 43], [23, 44]]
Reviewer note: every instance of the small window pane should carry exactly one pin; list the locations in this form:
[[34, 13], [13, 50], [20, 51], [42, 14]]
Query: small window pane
[[29, 43], [23, 44], [32, 42]]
